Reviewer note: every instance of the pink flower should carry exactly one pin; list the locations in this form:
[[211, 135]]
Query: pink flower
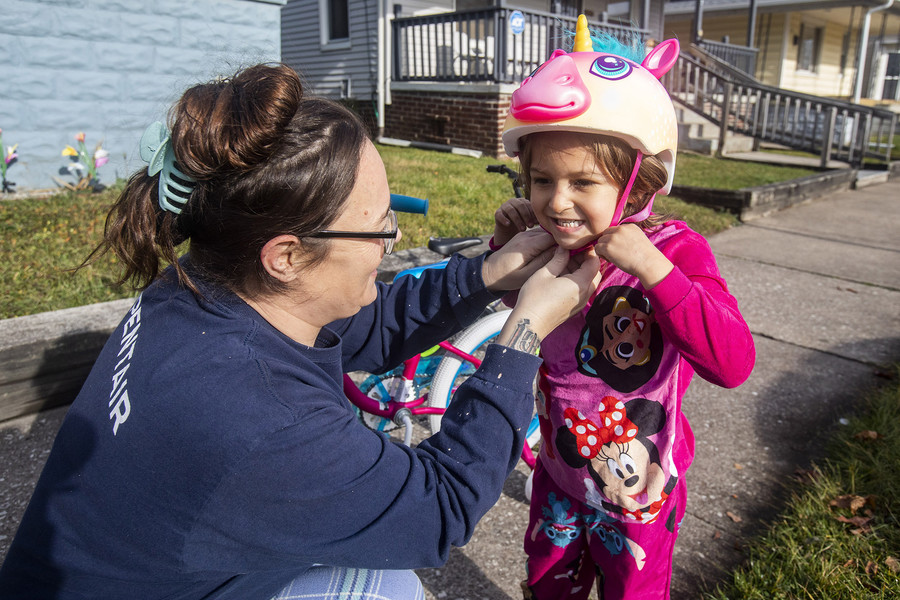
[[101, 157], [79, 137]]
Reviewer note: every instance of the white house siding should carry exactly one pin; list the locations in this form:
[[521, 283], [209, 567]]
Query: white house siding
[[776, 62], [770, 41], [828, 79], [110, 67], [325, 68], [769, 36]]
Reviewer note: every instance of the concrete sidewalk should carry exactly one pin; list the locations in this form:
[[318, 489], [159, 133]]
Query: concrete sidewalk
[[819, 285]]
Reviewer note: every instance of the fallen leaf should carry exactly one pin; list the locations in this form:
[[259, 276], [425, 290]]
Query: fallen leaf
[[733, 516], [738, 466], [734, 496], [850, 563], [851, 501], [868, 435], [861, 523], [717, 534], [893, 564], [871, 568]]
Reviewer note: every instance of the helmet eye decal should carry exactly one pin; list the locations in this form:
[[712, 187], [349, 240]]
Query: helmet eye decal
[[611, 67]]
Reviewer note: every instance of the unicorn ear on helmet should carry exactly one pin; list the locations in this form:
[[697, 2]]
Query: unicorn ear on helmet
[[661, 58]]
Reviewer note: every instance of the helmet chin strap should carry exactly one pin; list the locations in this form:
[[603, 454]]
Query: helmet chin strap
[[620, 206], [623, 199]]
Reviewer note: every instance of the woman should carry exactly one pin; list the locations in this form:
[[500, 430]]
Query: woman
[[211, 452]]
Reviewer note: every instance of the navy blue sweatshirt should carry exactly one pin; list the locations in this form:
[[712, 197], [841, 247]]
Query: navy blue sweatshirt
[[210, 456]]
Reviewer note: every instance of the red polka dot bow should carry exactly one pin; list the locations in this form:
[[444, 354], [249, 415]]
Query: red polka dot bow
[[614, 427]]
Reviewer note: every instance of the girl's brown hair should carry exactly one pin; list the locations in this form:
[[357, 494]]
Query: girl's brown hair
[[267, 160], [616, 160]]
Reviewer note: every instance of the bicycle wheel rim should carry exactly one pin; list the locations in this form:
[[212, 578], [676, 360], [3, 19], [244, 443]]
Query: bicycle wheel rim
[[445, 378]]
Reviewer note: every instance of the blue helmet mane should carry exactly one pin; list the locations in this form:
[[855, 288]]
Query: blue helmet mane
[[631, 48]]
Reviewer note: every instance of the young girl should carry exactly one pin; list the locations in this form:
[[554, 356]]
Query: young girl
[[596, 137]]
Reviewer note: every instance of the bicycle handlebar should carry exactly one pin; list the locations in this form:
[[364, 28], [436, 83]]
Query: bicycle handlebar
[[409, 204], [512, 174]]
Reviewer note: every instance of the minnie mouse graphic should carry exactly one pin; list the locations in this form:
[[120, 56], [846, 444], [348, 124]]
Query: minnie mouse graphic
[[626, 476]]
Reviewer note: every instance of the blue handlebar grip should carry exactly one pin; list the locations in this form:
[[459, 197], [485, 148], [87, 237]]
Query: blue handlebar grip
[[409, 204]]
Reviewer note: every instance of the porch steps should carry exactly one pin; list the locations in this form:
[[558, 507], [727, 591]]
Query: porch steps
[[698, 134]]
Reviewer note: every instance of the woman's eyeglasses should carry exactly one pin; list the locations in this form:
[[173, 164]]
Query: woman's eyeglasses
[[388, 236]]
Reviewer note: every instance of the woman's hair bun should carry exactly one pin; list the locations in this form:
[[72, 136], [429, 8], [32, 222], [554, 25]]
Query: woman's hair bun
[[231, 125]]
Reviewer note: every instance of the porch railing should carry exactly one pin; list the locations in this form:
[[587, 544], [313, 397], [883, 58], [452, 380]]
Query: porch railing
[[492, 45], [831, 128], [739, 57]]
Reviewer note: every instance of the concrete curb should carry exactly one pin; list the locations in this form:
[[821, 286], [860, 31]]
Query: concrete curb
[[44, 358], [754, 202]]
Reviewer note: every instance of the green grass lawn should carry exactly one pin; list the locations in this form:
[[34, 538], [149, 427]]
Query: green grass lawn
[[839, 536], [726, 174], [46, 237]]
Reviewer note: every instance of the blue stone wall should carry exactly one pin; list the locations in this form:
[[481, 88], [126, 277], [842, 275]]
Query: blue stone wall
[[109, 67]]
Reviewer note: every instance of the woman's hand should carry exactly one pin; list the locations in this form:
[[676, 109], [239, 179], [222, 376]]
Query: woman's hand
[[511, 266], [629, 248], [513, 216], [552, 295]]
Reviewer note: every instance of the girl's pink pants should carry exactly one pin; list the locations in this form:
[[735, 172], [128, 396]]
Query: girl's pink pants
[[570, 545]]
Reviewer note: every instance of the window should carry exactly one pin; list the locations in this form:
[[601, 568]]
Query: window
[[809, 43], [334, 16], [891, 89]]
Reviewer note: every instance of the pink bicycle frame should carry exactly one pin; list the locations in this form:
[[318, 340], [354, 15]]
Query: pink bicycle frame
[[389, 410]]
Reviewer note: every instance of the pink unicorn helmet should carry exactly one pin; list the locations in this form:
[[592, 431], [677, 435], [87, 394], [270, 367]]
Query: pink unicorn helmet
[[594, 92]]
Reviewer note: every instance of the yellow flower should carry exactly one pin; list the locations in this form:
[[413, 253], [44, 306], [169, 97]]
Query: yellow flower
[[69, 151]]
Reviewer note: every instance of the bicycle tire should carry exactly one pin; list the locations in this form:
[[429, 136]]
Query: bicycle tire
[[447, 376]]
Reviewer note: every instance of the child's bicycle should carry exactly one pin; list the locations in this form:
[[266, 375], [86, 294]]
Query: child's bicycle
[[425, 383]]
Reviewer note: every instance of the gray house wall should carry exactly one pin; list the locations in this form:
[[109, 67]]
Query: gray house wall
[[110, 67], [327, 68]]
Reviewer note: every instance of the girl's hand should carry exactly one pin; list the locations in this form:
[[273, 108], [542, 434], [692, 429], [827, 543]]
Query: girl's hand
[[513, 216], [552, 295], [510, 266], [628, 247]]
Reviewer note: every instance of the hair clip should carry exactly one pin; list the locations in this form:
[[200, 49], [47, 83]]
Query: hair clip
[[175, 186]]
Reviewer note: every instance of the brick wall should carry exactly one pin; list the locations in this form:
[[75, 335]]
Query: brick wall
[[465, 120], [110, 67]]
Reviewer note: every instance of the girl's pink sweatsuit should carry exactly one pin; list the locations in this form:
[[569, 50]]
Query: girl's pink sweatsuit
[[608, 492]]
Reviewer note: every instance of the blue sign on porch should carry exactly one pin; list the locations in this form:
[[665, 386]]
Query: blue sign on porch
[[516, 22]]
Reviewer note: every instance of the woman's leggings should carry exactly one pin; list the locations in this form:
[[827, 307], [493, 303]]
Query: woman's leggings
[[333, 583]]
